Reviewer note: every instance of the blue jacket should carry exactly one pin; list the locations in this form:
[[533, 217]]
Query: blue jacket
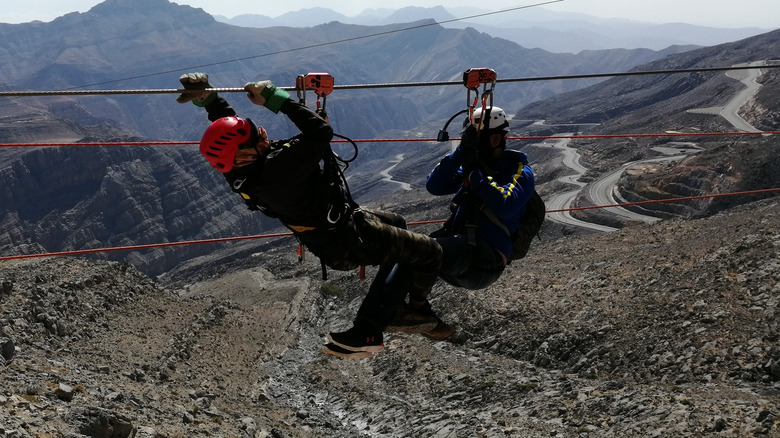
[[505, 194]]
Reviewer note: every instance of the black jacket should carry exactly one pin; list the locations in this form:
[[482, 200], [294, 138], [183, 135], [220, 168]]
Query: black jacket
[[288, 183]]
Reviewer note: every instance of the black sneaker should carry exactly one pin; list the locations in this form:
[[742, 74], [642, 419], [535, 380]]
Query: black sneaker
[[332, 349], [410, 320], [357, 339]]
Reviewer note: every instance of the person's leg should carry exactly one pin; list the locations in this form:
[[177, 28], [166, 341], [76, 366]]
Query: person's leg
[[391, 244], [396, 317], [384, 295], [485, 268], [389, 218], [408, 262], [468, 267], [457, 256], [418, 316]]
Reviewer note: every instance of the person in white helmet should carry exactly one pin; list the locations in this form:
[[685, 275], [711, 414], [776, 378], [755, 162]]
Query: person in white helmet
[[491, 187]]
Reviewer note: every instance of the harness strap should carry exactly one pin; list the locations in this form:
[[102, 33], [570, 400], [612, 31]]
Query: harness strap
[[492, 217]]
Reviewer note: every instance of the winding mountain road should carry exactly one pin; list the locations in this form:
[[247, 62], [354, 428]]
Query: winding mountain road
[[386, 177], [603, 190], [563, 201], [730, 112]]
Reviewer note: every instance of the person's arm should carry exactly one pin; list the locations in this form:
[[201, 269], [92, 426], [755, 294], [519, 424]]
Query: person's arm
[[447, 177], [218, 108], [195, 85], [312, 126], [316, 133]]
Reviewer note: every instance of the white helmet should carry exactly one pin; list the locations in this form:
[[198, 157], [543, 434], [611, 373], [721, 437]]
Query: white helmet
[[497, 118]]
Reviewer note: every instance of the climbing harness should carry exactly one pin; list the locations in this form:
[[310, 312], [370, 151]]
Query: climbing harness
[[333, 165]]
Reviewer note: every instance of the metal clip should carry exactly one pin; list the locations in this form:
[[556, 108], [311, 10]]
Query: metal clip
[[472, 79], [320, 83]]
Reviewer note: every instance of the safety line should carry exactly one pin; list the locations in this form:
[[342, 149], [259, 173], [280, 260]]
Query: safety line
[[665, 134], [263, 236], [108, 143], [148, 246], [386, 85], [410, 140]]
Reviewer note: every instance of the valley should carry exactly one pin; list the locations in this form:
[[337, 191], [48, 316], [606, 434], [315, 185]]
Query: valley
[[656, 321]]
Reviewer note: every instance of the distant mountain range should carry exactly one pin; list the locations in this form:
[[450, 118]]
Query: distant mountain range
[[559, 32], [85, 197]]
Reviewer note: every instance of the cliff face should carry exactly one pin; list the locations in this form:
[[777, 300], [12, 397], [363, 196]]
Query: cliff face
[[73, 198], [727, 168]]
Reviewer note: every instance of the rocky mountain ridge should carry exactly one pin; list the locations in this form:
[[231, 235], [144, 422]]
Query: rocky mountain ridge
[[123, 44], [536, 27], [674, 104], [668, 329]]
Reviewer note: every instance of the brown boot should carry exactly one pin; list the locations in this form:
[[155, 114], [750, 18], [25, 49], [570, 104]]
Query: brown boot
[[441, 332], [410, 320]]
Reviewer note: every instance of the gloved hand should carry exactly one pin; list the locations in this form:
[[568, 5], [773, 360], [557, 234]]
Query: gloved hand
[[196, 81], [266, 94], [469, 147]]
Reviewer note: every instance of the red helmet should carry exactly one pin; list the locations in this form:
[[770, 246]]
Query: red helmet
[[224, 138]]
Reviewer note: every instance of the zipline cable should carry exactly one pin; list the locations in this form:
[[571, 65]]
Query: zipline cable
[[411, 140], [262, 236], [71, 92]]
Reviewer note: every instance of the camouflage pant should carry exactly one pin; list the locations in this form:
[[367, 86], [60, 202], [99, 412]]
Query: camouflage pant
[[372, 237]]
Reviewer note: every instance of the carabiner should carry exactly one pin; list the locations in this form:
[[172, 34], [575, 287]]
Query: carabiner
[[472, 79]]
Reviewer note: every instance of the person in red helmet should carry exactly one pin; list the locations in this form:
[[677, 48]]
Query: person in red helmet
[[222, 143], [285, 179]]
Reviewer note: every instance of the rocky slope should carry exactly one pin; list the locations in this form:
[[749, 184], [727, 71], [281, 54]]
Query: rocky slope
[[668, 329]]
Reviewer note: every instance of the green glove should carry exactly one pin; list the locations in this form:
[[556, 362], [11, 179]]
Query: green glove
[[266, 94], [196, 81]]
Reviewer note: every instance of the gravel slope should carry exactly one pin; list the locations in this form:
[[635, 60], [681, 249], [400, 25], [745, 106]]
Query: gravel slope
[[668, 329]]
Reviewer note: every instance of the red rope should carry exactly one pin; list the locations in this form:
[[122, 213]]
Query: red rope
[[110, 143], [665, 134], [263, 236], [152, 245]]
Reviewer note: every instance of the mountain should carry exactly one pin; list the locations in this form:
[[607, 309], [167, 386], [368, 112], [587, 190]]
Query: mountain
[[676, 103], [624, 95], [76, 198], [668, 329], [147, 44], [537, 27]]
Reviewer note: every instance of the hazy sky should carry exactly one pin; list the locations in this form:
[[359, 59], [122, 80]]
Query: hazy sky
[[718, 13]]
